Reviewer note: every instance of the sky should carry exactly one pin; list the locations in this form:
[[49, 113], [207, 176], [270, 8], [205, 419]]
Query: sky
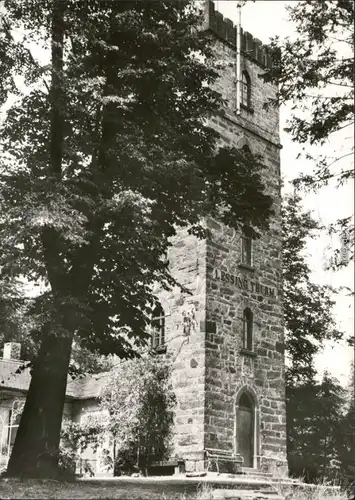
[[265, 19]]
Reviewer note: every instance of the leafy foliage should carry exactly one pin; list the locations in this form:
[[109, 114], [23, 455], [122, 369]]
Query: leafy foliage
[[316, 77], [315, 413], [140, 404], [307, 305], [320, 58], [344, 252], [134, 418], [106, 152], [76, 437], [134, 159], [318, 425], [84, 361], [347, 457], [101, 164], [15, 325]]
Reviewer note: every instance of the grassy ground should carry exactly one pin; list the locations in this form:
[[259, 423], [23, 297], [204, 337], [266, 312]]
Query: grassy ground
[[120, 490], [126, 489], [317, 493]]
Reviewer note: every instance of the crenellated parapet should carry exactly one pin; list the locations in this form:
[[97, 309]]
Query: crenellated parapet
[[226, 30]]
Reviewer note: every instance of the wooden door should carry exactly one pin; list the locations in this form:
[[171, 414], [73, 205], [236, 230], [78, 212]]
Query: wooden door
[[246, 430]]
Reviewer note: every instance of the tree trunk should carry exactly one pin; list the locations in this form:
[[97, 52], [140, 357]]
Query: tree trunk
[[35, 451]]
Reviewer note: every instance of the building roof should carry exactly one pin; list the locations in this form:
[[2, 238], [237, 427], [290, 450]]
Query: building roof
[[15, 375]]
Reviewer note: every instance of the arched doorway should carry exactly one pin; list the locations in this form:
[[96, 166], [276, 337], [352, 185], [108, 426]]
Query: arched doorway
[[245, 415]]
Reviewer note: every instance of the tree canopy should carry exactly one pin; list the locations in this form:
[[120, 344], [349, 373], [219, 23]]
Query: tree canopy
[[308, 314], [105, 152], [316, 78], [133, 422], [316, 437], [320, 431]]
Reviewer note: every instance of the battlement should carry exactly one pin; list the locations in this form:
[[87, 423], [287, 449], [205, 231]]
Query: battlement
[[251, 47]]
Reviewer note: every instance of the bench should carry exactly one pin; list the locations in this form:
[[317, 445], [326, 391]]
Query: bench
[[173, 466], [217, 456]]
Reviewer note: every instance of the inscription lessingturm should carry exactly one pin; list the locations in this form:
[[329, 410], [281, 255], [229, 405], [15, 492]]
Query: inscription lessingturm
[[244, 283]]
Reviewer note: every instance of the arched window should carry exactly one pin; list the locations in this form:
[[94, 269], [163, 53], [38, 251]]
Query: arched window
[[245, 90], [245, 401], [247, 329], [246, 150], [247, 250], [158, 327]]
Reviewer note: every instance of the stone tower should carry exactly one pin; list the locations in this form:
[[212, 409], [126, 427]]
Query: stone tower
[[225, 338]]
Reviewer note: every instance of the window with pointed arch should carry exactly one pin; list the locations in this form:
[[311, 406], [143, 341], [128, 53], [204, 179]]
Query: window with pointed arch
[[247, 329], [245, 90], [246, 150], [158, 327]]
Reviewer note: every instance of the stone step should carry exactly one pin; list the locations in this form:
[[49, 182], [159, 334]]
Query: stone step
[[255, 472]]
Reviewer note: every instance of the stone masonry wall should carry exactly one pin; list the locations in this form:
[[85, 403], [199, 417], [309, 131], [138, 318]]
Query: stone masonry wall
[[185, 347], [209, 369], [227, 369], [231, 288], [225, 30]]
